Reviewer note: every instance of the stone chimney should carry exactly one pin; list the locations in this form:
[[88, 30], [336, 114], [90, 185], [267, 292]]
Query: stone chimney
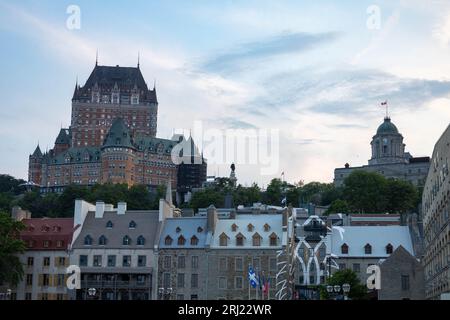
[[99, 209], [121, 207], [211, 218], [18, 214]]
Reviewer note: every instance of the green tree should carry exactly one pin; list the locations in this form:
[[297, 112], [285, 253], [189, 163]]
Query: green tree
[[11, 270], [246, 195], [10, 184], [338, 206], [401, 196], [138, 198], [66, 200], [366, 192], [204, 198], [357, 290]]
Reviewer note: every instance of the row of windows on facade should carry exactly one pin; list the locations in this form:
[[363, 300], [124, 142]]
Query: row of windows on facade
[[111, 261], [431, 193], [59, 261], [47, 280], [45, 296], [103, 241], [115, 98], [256, 240], [45, 228], [367, 249]]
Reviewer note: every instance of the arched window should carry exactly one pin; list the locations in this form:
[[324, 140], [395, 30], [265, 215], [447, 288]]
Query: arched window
[[194, 241], [344, 249], [168, 241], [266, 227], [132, 224], [181, 241], [109, 224], [199, 229], [368, 249], [88, 240], [389, 249], [102, 240], [233, 227], [126, 241], [178, 229], [250, 227], [140, 241]]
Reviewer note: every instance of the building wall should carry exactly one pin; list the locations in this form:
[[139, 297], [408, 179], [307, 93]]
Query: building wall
[[222, 271], [38, 290], [436, 219], [170, 267]]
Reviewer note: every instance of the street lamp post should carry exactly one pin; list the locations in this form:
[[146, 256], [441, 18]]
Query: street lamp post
[[91, 293], [336, 289], [346, 288]]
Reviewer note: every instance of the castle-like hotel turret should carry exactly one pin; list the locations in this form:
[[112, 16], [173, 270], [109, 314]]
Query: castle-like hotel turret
[[112, 139], [389, 158]]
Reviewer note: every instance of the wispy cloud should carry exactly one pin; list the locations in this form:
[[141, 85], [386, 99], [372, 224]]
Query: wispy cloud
[[285, 43]]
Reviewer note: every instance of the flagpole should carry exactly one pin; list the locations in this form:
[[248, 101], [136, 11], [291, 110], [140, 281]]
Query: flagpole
[[249, 285]]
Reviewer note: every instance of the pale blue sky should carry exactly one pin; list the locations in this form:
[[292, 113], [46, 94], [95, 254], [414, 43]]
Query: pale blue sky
[[310, 68]]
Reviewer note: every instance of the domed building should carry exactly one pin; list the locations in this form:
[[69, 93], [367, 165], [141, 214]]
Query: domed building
[[389, 158]]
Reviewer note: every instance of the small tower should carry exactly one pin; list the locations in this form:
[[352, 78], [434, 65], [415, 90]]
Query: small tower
[[62, 142], [35, 162]]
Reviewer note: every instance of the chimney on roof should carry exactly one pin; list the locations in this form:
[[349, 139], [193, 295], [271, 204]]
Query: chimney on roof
[[121, 207], [211, 218], [99, 209], [18, 214]]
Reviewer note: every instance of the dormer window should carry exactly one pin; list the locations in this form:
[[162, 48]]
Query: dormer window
[[135, 98], [240, 240], [199, 229], [45, 228], [389, 249], [109, 224], [273, 239], [250, 227], [181, 241], [95, 97], [368, 249], [88, 240], [256, 240], [178, 229], [132, 225], [234, 227], [126, 241], [194, 241], [344, 249], [56, 229], [140, 241], [266, 227], [115, 98], [223, 240], [102, 240], [168, 241]]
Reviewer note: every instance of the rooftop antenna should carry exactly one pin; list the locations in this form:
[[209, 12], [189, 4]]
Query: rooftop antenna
[[96, 58], [138, 59]]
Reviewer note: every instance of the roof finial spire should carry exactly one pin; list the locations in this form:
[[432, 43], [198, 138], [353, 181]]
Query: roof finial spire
[[138, 59], [154, 84], [96, 58]]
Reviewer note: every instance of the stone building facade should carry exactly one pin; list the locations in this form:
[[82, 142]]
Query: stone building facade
[[112, 138], [436, 221], [402, 277], [46, 257], [389, 158]]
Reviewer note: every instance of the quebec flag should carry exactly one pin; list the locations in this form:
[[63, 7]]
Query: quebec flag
[[252, 277]]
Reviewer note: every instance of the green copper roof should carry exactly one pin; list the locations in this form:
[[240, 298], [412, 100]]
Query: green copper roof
[[118, 135], [387, 127], [63, 137]]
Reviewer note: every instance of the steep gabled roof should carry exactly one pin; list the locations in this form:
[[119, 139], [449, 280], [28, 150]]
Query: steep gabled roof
[[63, 137], [118, 135], [37, 152]]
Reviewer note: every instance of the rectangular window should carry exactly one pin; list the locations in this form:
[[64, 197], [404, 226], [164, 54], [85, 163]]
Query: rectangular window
[[273, 264], [194, 280], [239, 264], [405, 282], [59, 296], [28, 296], [194, 297], [180, 280], [180, 296], [166, 281], [342, 266], [141, 279], [44, 296], [29, 279], [256, 264], [126, 261], [60, 280], [30, 261], [97, 261], [223, 264], [142, 261], [222, 283], [45, 280], [83, 261], [312, 280], [238, 282], [181, 262], [61, 261], [111, 261], [194, 262], [46, 262], [356, 267], [167, 262]]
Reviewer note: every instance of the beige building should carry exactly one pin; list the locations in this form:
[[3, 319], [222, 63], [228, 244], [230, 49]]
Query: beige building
[[435, 208]]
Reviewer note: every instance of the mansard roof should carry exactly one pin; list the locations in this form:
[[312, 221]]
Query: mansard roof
[[126, 79]]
